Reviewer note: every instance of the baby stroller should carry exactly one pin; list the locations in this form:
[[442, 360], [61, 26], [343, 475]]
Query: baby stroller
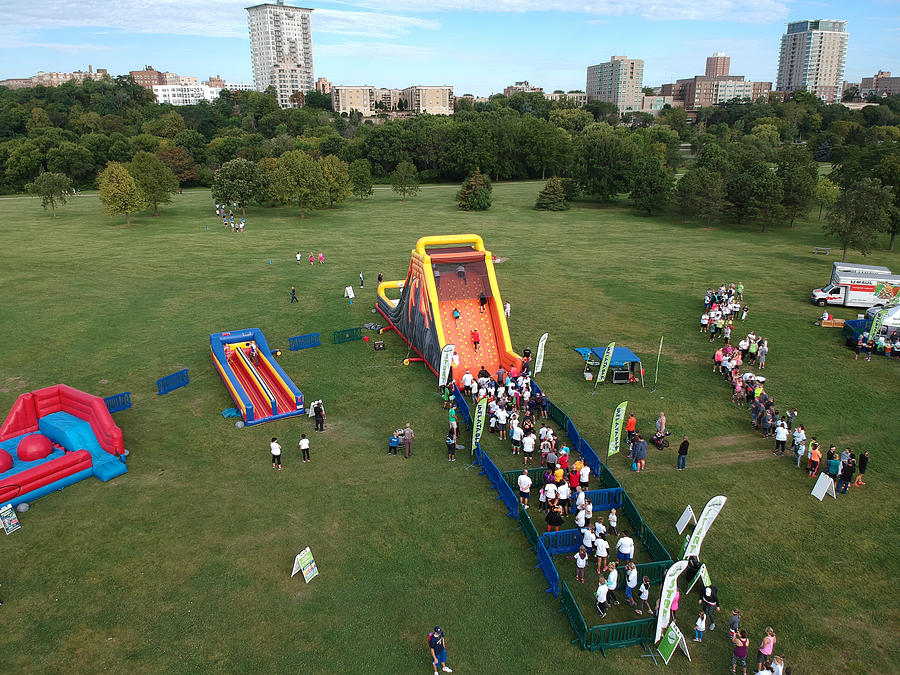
[[659, 440]]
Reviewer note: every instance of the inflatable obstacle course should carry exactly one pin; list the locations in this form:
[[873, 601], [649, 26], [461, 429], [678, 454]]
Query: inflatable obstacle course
[[449, 275], [261, 390], [54, 437]]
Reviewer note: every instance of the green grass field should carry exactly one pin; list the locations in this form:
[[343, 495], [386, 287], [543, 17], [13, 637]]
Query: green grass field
[[183, 564]]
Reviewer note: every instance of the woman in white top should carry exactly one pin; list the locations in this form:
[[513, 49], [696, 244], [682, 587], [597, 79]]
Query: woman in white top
[[276, 453], [602, 592]]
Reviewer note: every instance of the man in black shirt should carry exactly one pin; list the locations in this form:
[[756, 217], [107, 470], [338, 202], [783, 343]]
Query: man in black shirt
[[682, 455]]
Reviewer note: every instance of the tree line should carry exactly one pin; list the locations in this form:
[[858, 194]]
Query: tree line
[[750, 161]]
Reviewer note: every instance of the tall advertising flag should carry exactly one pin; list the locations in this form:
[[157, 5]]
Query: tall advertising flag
[[658, 354], [478, 422], [877, 323], [446, 360], [604, 364], [667, 597], [539, 359], [615, 432], [710, 511]]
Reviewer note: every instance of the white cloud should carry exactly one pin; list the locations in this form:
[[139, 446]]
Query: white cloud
[[208, 18], [747, 11]]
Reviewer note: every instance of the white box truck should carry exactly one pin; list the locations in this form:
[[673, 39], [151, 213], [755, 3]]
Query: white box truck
[[857, 286]]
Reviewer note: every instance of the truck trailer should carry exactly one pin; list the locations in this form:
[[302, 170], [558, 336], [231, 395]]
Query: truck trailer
[[857, 286]]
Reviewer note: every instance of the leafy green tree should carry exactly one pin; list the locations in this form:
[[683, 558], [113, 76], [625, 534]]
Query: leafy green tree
[[337, 175], [39, 120], [603, 162], [361, 178], [167, 125], [119, 192], [475, 193], [405, 180], [238, 181], [298, 179], [179, 162], [571, 119], [316, 99], [651, 185], [676, 118], [154, 179], [24, 162], [714, 201], [72, 159], [826, 194], [52, 188], [860, 213], [798, 173], [603, 111], [552, 197], [888, 172], [690, 192], [764, 202]]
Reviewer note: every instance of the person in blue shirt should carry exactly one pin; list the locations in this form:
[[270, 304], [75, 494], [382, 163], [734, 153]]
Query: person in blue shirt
[[394, 443], [437, 644]]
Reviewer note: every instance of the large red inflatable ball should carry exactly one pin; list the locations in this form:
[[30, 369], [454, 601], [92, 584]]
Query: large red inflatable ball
[[5, 461], [35, 446]]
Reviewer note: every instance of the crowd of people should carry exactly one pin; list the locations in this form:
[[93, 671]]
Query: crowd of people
[[226, 212], [750, 390]]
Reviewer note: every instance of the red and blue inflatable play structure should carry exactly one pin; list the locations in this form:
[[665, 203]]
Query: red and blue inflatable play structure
[[261, 390], [54, 437]]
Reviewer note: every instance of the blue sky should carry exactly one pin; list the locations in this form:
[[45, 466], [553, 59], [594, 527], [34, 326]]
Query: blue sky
[[478, 46]]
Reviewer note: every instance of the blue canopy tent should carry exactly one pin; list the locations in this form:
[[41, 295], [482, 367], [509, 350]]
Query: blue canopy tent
[[622, 359]]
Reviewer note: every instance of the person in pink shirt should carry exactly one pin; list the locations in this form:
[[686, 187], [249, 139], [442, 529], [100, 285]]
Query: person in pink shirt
[[766, 648], [321, 258]]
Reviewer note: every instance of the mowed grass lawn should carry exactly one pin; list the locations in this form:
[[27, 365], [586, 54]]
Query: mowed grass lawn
[[183, 564]]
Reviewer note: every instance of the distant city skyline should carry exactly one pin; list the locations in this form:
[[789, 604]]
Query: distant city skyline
[[440, 42]]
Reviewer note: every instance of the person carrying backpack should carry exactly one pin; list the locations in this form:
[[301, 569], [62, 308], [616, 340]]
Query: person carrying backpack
[[437, 644]]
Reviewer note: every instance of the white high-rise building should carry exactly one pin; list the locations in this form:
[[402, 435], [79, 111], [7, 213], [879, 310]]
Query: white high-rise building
[[812, 56], [281, 49], [616, 81]]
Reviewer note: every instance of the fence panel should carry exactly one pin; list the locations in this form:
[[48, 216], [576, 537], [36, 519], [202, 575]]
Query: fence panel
[[118, 402], [558, 415], [654, 546], [607, 478], [509, 497], [528, 528], [656, 571], [304, 341], [564, 541], [574, 436], [590, 457], [573, 614], [604, 500], [535, 389], [346, 335], [536, 473], [634, 517], [172, 382], [624, 634], [545, 562]]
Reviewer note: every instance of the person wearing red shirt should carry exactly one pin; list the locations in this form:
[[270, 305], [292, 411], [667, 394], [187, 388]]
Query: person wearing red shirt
[[630, 426], [476, 338]]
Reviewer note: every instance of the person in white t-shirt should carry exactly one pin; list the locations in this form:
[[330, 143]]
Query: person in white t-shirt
[[581, 561], [563, 492], [588, 538], [304, 447], [524, 488], [631, 582], [517, 434], [467, 380], [580, 518], [612, 580], [579, 497], [299, 255], [601, 595], [602, 547], [599, 527], [502, 417], [276, 453], [584, 477], [528, 447], [624, 548], [589, 508], [550, 492]]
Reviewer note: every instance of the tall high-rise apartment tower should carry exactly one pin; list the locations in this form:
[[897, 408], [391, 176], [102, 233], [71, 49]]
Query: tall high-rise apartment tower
[[718, 64], [281, 48], [617, 81], [812, 56]]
